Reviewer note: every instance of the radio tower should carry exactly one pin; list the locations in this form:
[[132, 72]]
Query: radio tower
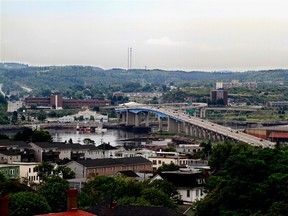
[[129, 58]]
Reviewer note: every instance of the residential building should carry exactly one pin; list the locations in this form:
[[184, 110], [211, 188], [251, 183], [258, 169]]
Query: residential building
[[189, 185], [188, 149], [9, 156], [109, 166], [27, 172], [162, 158], [10, 171], [19, 147], [146, 153], [54, 152]]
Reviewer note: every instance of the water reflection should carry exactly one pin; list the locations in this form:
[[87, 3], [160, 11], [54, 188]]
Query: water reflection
[[114, 137]]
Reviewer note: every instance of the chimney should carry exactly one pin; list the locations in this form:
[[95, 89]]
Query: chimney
[[4, 205], [72, 199]]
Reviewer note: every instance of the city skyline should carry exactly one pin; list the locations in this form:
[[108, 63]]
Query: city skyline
[[170, 35]]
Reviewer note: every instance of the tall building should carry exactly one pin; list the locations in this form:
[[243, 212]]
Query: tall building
[[219, 97]]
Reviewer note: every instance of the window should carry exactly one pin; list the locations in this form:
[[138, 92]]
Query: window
[[154, 162], [188, 193], [159, 161], [29, 170], [197, 193]]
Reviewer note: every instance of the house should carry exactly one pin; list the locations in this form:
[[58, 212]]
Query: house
[[27, 172], [108, 166], [128, 174], [188, 149], [106, 150], [146, 153], [20, 147], [48, 152], [162, 158], [56, 151], [9, 156], [10, 171], [190, 185]]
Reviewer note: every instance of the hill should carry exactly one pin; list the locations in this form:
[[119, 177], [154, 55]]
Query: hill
[[58, 78]]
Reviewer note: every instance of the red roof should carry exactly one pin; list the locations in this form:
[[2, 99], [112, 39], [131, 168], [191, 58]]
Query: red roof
[[278, 135], [70, 213]]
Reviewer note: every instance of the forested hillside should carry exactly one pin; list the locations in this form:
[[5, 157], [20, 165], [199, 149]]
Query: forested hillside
[[59, 78]]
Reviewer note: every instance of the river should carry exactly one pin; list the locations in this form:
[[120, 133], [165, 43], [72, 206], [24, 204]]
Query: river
[[114, 137]]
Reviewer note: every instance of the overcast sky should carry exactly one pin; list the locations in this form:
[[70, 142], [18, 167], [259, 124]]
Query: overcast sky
[[186, 35]]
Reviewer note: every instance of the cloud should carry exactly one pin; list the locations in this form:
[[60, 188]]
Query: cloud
[[164, 41]]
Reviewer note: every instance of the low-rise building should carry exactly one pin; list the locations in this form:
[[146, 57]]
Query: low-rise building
[[27, 172], [109, 166], [10, 171], [9, 156], [189, 185]]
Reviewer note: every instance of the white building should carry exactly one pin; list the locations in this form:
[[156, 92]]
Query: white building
[[28, 172], [66, 119], [190, 186]]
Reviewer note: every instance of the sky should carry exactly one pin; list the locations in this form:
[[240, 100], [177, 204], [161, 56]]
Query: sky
[[189, 35]]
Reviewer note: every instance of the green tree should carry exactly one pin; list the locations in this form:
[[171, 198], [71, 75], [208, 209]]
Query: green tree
[[41, 136], [66, 172], [12, 186], [41, 115], [55, 192], [29, 135], [168, 167], [157, 198], [44, 170], [247, 181], [163, 185], [3, 178], [27, 204]]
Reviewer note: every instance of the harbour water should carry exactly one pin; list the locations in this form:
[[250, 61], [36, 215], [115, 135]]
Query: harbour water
[[114, 137]]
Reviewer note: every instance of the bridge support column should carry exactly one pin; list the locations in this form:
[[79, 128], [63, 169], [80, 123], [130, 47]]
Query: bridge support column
[[130, 118], [118, 117], [160, 120], [147, 119], [137, 120], [172, 125], [124, 118]]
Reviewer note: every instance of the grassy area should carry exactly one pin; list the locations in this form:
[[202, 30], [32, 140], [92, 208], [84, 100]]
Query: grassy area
[[257, 116]]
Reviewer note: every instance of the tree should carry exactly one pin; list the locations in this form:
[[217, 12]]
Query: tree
[[168, 167], [3, 178], [29, 135], [157, 198], [67, 172], [248, 181], [12, 186], [41, 136], [14, 117], [55, 192], [3, 136], [167, 187], [41, 115], [44, 170], [125, 191], [27, 203]]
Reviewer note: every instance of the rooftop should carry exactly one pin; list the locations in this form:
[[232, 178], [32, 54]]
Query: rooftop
[[113, 161]]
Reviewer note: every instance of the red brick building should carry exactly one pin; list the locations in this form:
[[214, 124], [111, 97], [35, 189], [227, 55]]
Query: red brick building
[[109, 166], [56, 101]]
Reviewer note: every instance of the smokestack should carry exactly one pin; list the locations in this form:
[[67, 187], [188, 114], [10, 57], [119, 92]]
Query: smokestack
[[72, 199], [4, 205]]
